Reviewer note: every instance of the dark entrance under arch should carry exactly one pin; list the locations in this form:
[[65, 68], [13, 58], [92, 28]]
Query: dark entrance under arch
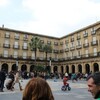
[[62, 70], [73, 69], [96, 67], [14, 67], [23, 68], [48, 69], [67, 69], [80, 68], [55, 69], [5, 67], [32, 68], [87, 68]]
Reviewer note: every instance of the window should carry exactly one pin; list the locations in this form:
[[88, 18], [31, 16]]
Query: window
[[16, 36], [67, 45], [93, 29], [56, 57], [95, 51], [33, 55], [24, 55], [5, 53], [94, 39], [25, 36], [86, 41], [6, 44], [78, 54], [15, 54], [6, 41], [78, 42], [25, 45], [86, 53], [16, 44], [7, 34], [72, 44]]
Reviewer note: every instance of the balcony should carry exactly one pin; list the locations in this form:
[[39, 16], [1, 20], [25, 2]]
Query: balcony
[[56, 51], [72, 39], [6, 45], [42, 41], [72, 48], [93, 43], [61, 43], [67, 49], [61, 51], [24, 47], [78, 37], [16, 37], [7, 36], [85, 35], [56, 43], [79, 46], [93, 32], [16, 46], [86, 45], [25, 39], [49, 42], [66, 41]]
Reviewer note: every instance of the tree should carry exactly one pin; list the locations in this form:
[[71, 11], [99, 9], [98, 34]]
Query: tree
[[35, 44], [47, 48]]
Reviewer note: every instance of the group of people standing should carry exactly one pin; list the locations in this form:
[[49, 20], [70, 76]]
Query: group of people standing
[[13, 77]]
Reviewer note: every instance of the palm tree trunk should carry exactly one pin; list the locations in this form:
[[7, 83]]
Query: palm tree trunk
[[46, 59]]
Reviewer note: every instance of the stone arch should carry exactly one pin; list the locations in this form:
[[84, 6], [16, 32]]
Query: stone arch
[[62, 69], [87, 68], [48, 69], [5, 67], [32, 68], [96, 67], [67, 69], [14, 67], [23, 68], [80, 68], [73, 68], [55, 69]]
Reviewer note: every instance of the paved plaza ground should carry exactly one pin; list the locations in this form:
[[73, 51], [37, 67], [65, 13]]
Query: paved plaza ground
[[78, 91]]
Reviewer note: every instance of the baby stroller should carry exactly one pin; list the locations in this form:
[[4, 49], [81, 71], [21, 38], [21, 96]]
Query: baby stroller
[[9, 85], [66, 87]]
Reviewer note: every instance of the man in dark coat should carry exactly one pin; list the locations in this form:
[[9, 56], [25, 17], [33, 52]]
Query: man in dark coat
[[2, 79]]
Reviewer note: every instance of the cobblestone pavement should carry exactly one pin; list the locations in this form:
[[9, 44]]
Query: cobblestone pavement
[[78, 91]]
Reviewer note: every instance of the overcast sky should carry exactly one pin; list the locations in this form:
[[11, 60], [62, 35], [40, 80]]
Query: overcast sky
[[49, 17]]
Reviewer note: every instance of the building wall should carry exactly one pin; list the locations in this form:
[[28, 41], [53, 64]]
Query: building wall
[[72, 50]]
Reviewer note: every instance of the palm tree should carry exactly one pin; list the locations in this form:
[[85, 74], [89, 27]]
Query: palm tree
[[47, 48], [35, 44]]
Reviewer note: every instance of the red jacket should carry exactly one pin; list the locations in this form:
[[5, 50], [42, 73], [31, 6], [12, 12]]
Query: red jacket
[[65, 79]]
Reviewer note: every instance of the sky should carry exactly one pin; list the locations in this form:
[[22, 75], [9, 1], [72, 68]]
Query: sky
[[55, 18]]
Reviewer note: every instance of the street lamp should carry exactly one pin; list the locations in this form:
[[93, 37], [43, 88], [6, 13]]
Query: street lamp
[[17, 64]]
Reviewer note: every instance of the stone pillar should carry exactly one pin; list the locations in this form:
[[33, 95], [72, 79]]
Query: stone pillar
[[76, 68], [70, 68]]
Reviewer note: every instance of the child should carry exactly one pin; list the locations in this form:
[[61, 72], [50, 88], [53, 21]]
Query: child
[[65, 83]]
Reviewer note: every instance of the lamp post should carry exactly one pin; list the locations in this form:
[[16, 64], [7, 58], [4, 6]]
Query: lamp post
[[17, 65], [50, 64]]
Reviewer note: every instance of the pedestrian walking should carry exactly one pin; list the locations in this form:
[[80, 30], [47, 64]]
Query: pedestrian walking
[[2, 79], [93, 82], [17, 80]]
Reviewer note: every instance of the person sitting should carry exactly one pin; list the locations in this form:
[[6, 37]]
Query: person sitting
[[37, 89]]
